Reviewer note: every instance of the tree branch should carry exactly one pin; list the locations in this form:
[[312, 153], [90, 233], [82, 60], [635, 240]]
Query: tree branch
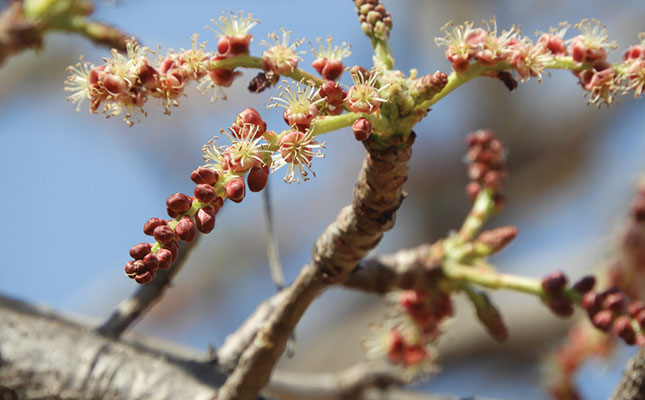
[[43, 355], [357, 229], [632, 383], [144, 297]]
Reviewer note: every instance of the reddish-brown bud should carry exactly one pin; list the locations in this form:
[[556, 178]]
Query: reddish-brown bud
[[178, 203], [554, 282], [251, 116], [145, 277], [496, 239], [235, 189], [205, 219], [173, 247], [603, 320], [258, 178], [151, 262], [623, 328], [615, 302], [138, 251], [130, 269], [591, 302], [333, 93], [561, 306], [186, 229], [204, 193], [151, 224], [164, 234], [217, 204], [362, 129], [203, 175], [585, 284], [635, 307], [164, 256]]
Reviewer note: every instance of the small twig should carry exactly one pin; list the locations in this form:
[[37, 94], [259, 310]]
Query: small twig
[[130, 309], [271, 242]]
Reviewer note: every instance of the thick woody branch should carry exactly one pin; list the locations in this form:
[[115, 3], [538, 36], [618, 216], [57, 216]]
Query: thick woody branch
[[44, 356], [632, 383], [405, 269], [357, 229], [130, 309]]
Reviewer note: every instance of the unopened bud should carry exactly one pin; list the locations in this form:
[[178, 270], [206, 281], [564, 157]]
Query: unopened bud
[[603, 320], [362, 129], [186, 229], [496, 239], [623, 328], [203, 175], [205, 219], [585, 284], [151, 224], [235, 189], [164, 256], [179, 203], [554, 282], [258, 178], [138, 251], [204, 193]]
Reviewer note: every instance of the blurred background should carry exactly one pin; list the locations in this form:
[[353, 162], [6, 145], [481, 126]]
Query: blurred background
[[77, 188]]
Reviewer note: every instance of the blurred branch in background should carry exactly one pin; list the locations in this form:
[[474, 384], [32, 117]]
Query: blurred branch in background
[[24, 23]]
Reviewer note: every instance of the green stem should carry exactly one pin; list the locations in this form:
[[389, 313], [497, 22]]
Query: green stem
[[483, 208], [457, 79], [332, 123], [382, 55], [494, 280]]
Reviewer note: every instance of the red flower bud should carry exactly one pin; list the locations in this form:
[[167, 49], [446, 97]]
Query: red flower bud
[[585, 284], [173, 247], [235, 189], [602, 320], [554, 282], [164, 234], [204, 175], [205, 219], [186, 229], [561, 306], [164, 256], [138, 251], [151, 262], [179, 203], [623, 328], [362, 129], [204, 193], [151, 224], [145, 277], [258, 178]]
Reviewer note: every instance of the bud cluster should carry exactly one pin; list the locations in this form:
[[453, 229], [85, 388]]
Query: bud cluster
[[329, 60], [607, 310], [486, 160], [125, 82], [408, 338], [221, 178], [587, 53], [375, 21], [429, 85]]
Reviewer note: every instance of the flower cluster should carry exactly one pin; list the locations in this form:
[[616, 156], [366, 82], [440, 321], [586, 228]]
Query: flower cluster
[[364, 95], [607, 310], [329, 60], [124, 83], [281, 57], [584, 54], [219, 179], [486, 160], [408, 336]]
